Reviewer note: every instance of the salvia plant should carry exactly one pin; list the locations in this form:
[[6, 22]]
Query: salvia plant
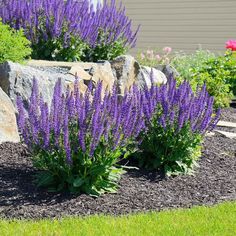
[[77, 142], [71, 30], [176, 120]]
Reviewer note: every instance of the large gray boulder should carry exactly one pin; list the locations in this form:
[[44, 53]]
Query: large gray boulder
[[17, 79], [8, 126]]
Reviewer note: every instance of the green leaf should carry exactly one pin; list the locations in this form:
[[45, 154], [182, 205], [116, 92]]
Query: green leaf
[[44, 179], [78, 182], [97, 170]]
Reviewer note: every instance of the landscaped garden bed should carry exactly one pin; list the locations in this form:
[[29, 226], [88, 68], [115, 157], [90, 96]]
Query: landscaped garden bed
[[140, 190], [86, 129]]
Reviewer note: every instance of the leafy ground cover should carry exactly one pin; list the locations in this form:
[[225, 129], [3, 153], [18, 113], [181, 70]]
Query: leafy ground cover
[[217, 220]]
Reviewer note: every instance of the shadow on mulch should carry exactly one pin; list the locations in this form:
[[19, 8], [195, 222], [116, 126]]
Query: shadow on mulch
[[214, 181]]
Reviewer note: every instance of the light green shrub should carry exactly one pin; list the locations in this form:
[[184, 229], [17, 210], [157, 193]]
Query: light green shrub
[[205, 67], [13, 44]]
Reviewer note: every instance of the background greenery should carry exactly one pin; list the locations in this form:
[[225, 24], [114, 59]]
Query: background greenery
[[218, 72]]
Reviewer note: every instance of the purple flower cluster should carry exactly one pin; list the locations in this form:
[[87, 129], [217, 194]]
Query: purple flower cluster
[[177, 106], [51, 19], [81, 123]]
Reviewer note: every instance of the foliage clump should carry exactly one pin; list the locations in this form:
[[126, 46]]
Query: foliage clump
[[13, 44], [218, 72]]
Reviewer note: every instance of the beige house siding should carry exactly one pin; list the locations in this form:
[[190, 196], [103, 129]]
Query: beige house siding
[[183, 24]]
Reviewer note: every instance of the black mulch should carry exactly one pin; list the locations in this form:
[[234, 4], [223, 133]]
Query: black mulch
[[213, 182]]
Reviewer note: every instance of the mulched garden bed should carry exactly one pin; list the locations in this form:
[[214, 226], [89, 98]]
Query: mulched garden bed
[[214, 181]]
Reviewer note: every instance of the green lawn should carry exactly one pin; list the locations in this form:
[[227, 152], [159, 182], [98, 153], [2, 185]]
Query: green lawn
[[218, 220]]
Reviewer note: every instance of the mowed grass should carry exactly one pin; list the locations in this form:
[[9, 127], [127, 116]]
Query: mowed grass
[[218, 220]]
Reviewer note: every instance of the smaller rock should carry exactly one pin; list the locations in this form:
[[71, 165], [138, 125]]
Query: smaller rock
[[81, 86], [127, 71], [80, 72], [227, 134], [226, 124], [168, 70], [8, 126], [103, 72], [157, 76]]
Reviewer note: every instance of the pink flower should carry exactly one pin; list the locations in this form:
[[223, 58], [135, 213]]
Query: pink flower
[[142, 56], [167, 50], [231, 44], [150, 54], [158, 57]]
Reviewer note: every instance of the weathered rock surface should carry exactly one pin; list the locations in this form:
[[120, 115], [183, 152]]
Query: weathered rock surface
[[226, 124], [103, 72], [157, 76], [226, 134], [8, 126], [65, 64], [16, 79], [168, 70], [127, 71], [77, 70]]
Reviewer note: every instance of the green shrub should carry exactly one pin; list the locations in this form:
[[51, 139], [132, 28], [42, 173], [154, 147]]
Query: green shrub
[[56, 50], [186, 65], [104, 51], [172, 152], [228, 65], [218, 72], [13, 45]]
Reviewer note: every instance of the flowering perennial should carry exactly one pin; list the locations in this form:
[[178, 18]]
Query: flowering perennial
[[231, 44], [64, 22], [153, 58], [82, 135], [176, 121], [180, 105]]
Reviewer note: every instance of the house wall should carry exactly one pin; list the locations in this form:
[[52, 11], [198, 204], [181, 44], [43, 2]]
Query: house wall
[[183, 24]]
